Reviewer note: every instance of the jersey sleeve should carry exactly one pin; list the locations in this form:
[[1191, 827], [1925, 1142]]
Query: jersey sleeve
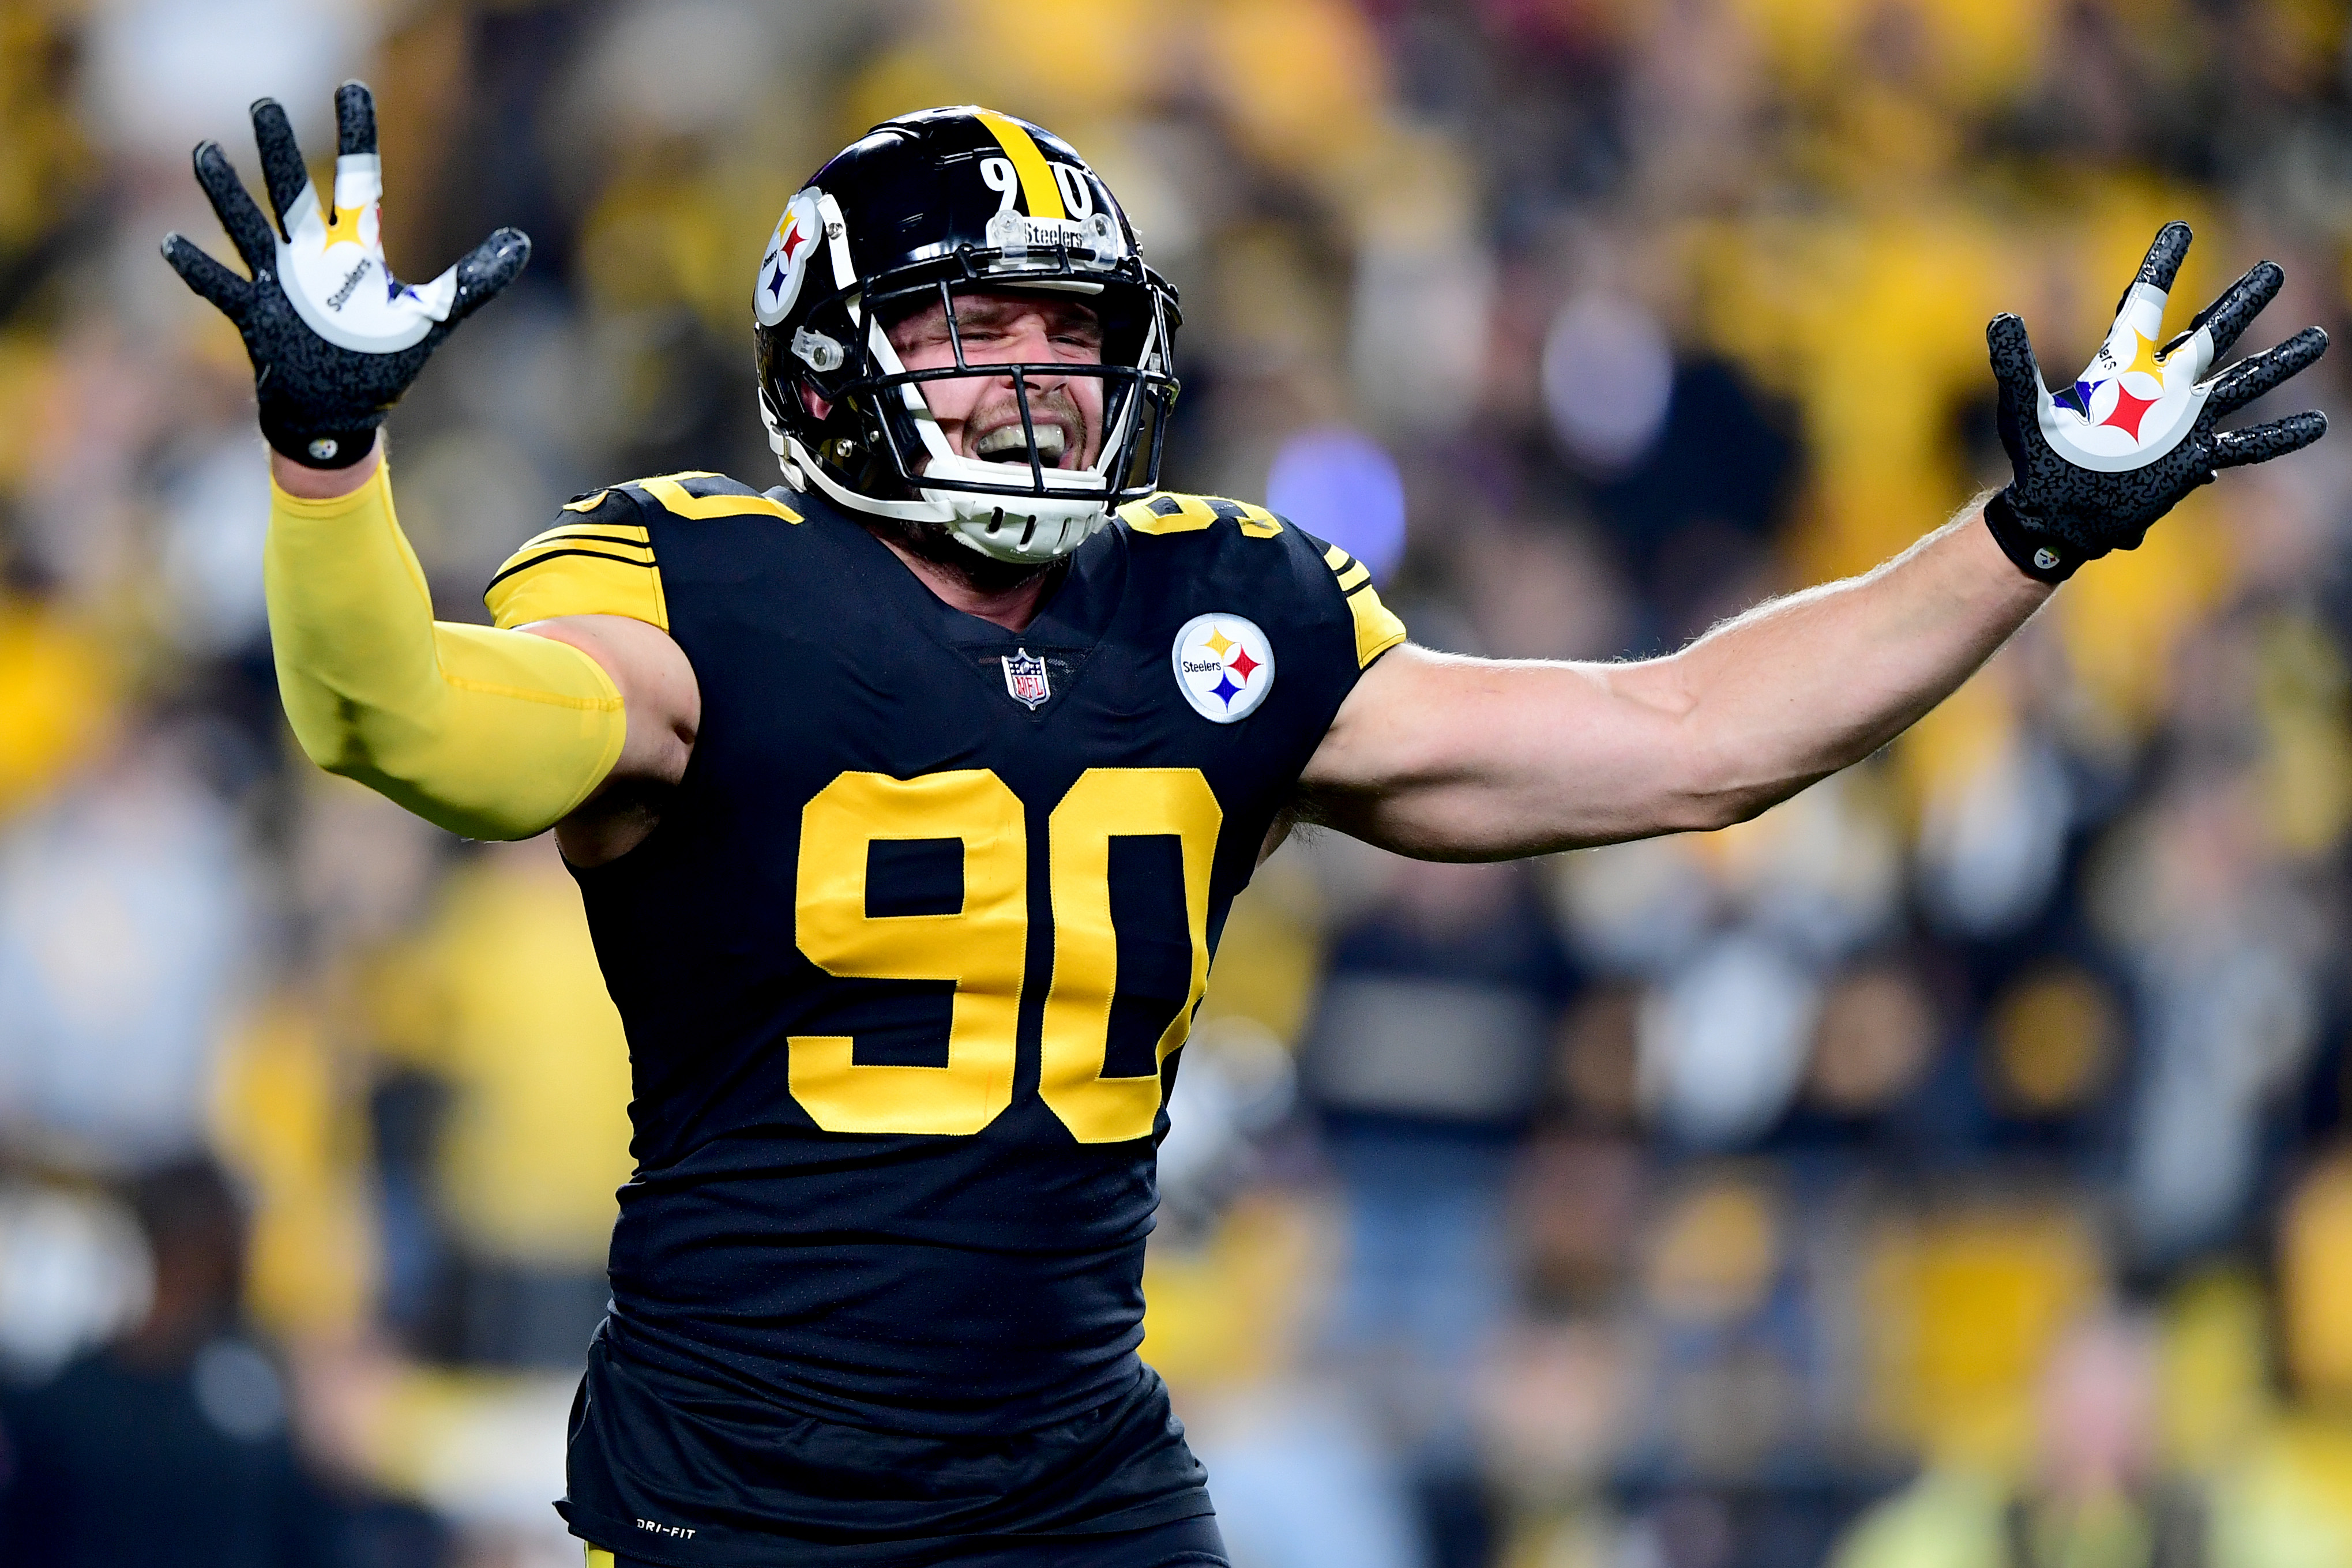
[[599, 560]]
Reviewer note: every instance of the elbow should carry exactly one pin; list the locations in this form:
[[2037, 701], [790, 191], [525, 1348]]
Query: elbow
[[333, 736], [1728, 810], [1701, 810], [1720, 789]]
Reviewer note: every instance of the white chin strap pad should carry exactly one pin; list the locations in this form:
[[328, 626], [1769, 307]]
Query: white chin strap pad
[[2129, 408], [1014, 528], [1018, 528]]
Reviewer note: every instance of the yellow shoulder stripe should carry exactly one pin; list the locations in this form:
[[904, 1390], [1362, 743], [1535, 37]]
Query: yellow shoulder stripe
[[1042, 195], [579, 569], [673, 498], [1377, 627], [627, 538], [1168, 513]]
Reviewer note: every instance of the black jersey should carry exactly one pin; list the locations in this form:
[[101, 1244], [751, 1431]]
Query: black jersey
[[905, 969]]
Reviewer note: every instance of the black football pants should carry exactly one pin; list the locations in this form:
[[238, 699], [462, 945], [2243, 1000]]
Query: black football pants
[[1187, 1543]]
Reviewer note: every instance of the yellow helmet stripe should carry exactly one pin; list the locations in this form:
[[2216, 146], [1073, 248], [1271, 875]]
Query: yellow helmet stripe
[[1037, 186]]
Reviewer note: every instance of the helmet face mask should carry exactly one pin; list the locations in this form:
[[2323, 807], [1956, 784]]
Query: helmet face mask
[[917, 213]]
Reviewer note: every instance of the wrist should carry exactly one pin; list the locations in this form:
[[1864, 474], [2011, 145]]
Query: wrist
[[306, 482], [321, 449], [2032, 550]]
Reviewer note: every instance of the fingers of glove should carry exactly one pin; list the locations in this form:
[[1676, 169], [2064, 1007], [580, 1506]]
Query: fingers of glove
[[2013, 364], [248, 229], [355, 119], [2162, 262], [2251, 377], [486, 269], [282, 168], [2235, 448], [2234, 311], [230, 294]]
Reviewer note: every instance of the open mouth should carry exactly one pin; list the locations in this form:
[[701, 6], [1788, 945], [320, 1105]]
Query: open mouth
[[1007, 444]]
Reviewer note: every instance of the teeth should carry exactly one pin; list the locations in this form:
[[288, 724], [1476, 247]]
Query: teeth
[[1009, 438]]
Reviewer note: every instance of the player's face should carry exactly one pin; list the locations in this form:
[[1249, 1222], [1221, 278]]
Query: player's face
[[981, 415]]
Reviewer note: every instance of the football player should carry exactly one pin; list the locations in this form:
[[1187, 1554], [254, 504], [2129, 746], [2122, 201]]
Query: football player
[[907, 797]]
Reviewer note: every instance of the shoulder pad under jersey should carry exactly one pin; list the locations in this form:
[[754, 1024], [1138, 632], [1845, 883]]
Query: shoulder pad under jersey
[[1377, 627], [599, 559]]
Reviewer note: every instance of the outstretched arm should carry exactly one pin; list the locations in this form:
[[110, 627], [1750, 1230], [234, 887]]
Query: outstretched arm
[[1457, 758]]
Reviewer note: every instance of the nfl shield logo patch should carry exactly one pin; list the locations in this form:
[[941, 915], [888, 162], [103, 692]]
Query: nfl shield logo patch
[[1025, 679]]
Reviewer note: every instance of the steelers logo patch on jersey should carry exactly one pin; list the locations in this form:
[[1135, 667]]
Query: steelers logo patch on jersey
[[800, 234], [1224, 666]]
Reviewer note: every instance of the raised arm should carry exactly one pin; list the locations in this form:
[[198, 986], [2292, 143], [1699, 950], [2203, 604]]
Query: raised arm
[[1456, 759], [491, 734]]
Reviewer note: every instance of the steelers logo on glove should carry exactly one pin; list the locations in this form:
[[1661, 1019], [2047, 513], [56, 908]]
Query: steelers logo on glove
[[334, 336], [2094, 465]]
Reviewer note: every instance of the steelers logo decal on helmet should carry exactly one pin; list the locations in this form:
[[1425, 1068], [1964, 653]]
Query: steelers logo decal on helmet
[[799, 234], [1224, 666]]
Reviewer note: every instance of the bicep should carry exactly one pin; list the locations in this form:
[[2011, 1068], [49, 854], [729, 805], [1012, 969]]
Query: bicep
[[1445, 756], [660, 699]]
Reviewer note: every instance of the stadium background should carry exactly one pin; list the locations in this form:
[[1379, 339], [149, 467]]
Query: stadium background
[[1951, 1163]]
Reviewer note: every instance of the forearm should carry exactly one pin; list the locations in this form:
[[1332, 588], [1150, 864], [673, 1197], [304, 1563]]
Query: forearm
[[489, 734], [1804, 686]]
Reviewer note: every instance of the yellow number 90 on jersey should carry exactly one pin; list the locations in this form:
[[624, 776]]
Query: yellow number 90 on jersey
[[983, 946]]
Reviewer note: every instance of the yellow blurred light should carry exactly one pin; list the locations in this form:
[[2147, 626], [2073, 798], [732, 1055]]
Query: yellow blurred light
[[1717, 1251], [1301, 81], [286, 1119], [2215, 1359], [2122, 619], [538, 1136], [1228, 1314], [1049, 59], [2308, 761], [1269, 959], [1960, 1312], [57, 700], [2054, 1036], [2315, 1282]]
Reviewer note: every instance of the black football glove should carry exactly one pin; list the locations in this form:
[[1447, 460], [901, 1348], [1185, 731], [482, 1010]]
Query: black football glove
[[334, 337], [2098, 463]]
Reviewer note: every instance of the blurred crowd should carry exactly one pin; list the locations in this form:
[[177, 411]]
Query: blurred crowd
[[1949, 1170]]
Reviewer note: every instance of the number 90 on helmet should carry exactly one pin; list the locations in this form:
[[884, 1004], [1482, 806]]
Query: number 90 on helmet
[[916, 210]]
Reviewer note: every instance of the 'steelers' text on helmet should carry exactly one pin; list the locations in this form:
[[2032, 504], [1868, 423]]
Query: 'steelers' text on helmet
[[918, 209]]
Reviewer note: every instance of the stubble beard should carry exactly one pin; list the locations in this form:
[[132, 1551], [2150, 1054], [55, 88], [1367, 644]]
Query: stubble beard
[[937, 544]]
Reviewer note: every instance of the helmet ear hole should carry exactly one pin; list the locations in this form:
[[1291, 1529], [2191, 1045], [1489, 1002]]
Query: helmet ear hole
[[818, 351]]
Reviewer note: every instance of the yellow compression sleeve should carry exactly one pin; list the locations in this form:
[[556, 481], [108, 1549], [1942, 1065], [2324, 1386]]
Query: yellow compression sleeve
[[489, 734]]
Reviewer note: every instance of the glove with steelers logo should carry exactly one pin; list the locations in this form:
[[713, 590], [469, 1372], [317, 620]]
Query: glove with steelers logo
[[334, 336], [2094, 465]]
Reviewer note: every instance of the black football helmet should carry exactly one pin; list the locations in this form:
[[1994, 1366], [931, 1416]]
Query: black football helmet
[[920, 207]]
